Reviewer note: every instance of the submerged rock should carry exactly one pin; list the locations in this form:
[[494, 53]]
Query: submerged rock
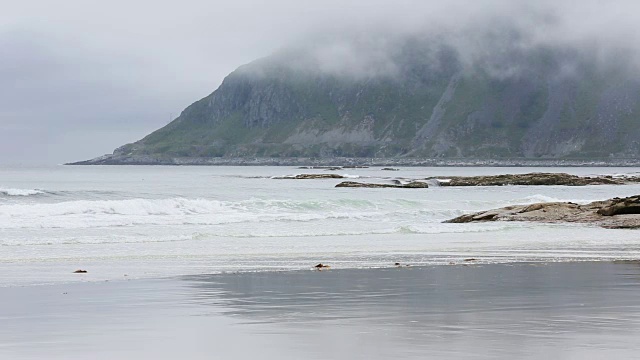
[[80, 272], [615, 213], [533, 179], [411, 185]]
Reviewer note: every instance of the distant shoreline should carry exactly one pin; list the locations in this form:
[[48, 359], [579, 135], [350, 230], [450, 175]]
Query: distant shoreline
[[346, 162]]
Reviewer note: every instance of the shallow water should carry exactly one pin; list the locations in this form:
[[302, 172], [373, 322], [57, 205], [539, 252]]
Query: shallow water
[[149, 222], [524, 311]]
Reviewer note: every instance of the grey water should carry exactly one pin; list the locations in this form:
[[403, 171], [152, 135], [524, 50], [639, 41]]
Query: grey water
[[137, 222]]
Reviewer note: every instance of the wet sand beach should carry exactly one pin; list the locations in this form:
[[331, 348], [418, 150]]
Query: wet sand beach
[[576, 310]]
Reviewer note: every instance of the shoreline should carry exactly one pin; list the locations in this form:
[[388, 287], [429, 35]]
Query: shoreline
[[252, 161], [475, 262]]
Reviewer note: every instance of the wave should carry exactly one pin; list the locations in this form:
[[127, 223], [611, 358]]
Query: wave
[[183, 211], [20, 192], [433, 228], [543, 198], [214, 234]]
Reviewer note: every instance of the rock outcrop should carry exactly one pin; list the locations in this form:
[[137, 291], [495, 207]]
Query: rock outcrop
[[310, 176], [616, 213], [533, 179], [410, 185]]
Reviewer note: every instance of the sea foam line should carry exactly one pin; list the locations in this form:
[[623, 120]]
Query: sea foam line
[[20, 192]]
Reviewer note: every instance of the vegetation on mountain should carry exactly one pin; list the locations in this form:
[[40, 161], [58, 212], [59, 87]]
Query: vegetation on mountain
[[534, 103]]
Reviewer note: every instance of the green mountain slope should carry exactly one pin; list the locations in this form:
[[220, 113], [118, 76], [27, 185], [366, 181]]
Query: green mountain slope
[[535, 103]]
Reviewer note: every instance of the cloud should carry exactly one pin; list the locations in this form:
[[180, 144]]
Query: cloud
[[497, 35]]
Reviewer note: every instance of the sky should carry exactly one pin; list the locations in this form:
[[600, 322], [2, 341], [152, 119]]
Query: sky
[[79, 78]]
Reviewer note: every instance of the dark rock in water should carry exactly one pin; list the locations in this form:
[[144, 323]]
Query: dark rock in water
[[311, 176], [355, 167], [630, 205], [80, 272], [470, 260], [411, 185], [613, 214], [321, 266], [631, 262], [415, 185], [533, 179], [390, 169], [320, 167]]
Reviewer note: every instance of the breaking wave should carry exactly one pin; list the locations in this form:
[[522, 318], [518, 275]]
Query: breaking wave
[[183, 211], [543, 198], [20, 192]]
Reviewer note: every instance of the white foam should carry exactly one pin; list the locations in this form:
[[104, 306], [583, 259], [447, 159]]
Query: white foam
[[20, 192], [537, 198], [183, 211]]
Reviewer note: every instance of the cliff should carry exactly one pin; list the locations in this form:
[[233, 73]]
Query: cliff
[[537, 103]]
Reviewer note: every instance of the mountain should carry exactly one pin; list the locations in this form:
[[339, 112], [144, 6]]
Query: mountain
[[422, 99]]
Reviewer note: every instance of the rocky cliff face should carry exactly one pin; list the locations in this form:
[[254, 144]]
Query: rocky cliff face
[[539, 103]]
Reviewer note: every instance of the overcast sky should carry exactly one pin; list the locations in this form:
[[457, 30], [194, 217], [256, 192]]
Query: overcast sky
[[79, 78]]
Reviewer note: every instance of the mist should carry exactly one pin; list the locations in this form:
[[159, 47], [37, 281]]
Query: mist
[[80, 78]]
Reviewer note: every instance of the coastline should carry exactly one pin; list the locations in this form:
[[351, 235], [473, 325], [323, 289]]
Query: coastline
[[410, 162]]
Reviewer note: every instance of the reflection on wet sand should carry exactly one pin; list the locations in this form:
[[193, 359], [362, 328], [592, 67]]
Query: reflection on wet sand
[[521, 310], [550, 311]]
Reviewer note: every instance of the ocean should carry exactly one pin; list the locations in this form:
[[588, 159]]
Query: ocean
[[157, 221], [217, 262]]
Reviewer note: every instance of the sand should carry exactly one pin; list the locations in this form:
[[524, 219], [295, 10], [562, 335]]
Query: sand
[[531, 311]]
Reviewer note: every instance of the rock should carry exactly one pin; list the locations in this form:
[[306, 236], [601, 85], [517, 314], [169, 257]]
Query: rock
[[310, 176], [320, 167], [532, 179], [470, 260], [390, 169], [80, 272], [615, 213], [630, 205], [411, 185], [321, 266]]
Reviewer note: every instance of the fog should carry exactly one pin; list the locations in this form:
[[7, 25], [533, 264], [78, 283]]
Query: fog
[[80, 78]]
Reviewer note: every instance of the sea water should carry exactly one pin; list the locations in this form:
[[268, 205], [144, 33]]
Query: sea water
[[129, 222]]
